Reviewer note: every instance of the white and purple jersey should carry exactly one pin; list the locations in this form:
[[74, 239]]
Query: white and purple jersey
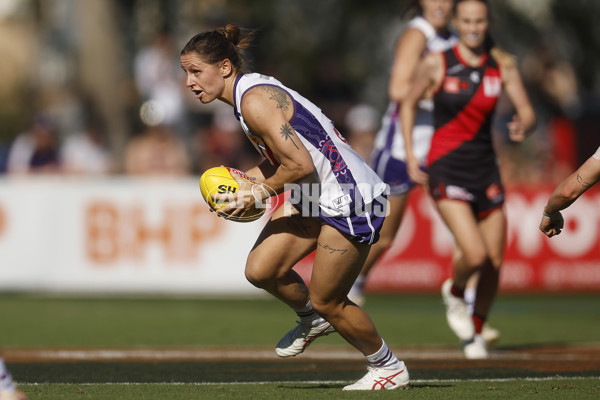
[[389, 141], [345, 182]]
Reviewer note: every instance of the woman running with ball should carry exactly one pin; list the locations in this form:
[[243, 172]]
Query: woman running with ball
[[338, 203]]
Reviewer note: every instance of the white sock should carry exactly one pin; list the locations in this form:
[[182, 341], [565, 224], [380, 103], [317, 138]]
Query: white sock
[[358, 287], [6, 383], [383, 358], [307, 314], [470, 294]]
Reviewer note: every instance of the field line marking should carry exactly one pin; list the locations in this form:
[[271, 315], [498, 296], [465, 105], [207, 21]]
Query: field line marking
[[327, 382]]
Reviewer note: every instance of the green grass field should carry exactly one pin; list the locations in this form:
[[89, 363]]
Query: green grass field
[[414, 322]]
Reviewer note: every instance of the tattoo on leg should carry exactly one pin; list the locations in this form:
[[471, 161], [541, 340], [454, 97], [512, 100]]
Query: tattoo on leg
[[278, 95], [288, 133], [332, 250]]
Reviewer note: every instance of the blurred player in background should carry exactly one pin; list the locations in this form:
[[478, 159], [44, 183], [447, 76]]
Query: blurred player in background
[[427, 32], [8, 390], [339, 209], [462, 171], [567, 192]]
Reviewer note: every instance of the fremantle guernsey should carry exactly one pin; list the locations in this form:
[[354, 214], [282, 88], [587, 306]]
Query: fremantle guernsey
[[345, 182], [462, 151], [389, 138]]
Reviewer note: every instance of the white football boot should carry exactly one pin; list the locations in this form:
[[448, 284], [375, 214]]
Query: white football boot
[[457, 313], [299, 338], [490, 334], [475, 349], [382, 379]]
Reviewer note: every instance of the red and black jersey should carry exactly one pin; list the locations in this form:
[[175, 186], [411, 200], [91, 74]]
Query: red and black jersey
[[462, 151]]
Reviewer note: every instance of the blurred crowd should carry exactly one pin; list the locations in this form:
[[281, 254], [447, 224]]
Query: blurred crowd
[[171, 134]]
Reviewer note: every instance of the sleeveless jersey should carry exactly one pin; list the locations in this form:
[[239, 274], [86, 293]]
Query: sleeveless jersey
[[389, 137], [345, 182], [462, 151]]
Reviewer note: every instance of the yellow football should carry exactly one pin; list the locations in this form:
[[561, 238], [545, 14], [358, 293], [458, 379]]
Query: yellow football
[[219, 180]]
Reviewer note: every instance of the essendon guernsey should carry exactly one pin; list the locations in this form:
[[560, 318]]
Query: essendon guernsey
[[461, 151]]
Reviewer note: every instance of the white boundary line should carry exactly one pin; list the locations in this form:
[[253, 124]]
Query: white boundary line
[[418, 381]]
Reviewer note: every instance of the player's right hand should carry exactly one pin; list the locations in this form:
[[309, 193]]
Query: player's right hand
[[551, 225]]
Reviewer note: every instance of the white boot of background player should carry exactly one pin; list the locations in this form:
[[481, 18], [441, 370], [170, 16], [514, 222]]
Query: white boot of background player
[[489, 334]]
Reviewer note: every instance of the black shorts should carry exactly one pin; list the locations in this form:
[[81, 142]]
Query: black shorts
[[484, 198]]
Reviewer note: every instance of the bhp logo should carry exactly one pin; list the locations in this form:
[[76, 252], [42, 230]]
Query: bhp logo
[[114, 232]]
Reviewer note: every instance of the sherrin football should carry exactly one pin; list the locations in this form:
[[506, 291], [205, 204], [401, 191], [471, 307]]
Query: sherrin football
[[219, 180]]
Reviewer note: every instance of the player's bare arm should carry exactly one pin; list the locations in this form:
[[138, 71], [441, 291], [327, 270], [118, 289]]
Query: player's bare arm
[[524, 121], [282, 101], [267, 110], [409, 49], [574, 186], [262, 171], [429, 73], [279, 96], [566, 193]]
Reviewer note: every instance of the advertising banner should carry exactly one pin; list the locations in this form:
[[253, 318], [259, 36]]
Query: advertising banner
[[131, 235]]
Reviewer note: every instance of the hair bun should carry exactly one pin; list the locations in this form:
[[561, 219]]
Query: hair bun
[[231, 33]]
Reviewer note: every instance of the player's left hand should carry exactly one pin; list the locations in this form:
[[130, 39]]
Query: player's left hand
[[516, 130], [238, 203]]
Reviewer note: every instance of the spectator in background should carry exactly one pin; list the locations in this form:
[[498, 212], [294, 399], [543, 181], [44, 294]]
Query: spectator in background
[[361, 124], [567, 192], [35, 151], [86, 152], [156, 152], [223, 143], [3, 157], [336, 96], [157, 78], [556, 92]]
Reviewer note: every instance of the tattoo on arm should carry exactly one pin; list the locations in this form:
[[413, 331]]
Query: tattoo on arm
[[281, 98], [278, 95], [332, 250], [582, 182], [288, 133]]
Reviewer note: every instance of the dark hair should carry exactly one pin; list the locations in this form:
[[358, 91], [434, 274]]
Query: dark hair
[[215, 46], [411, 8]]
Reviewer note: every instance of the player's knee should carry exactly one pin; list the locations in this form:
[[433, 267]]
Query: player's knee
[[385, 241], [326, 309], [321, 308], [476, 260], [496, 261], [256, 276]]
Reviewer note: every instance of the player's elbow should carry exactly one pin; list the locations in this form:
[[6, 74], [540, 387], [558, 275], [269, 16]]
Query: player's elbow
[[397, 95], [304, 170], [567, 195]]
